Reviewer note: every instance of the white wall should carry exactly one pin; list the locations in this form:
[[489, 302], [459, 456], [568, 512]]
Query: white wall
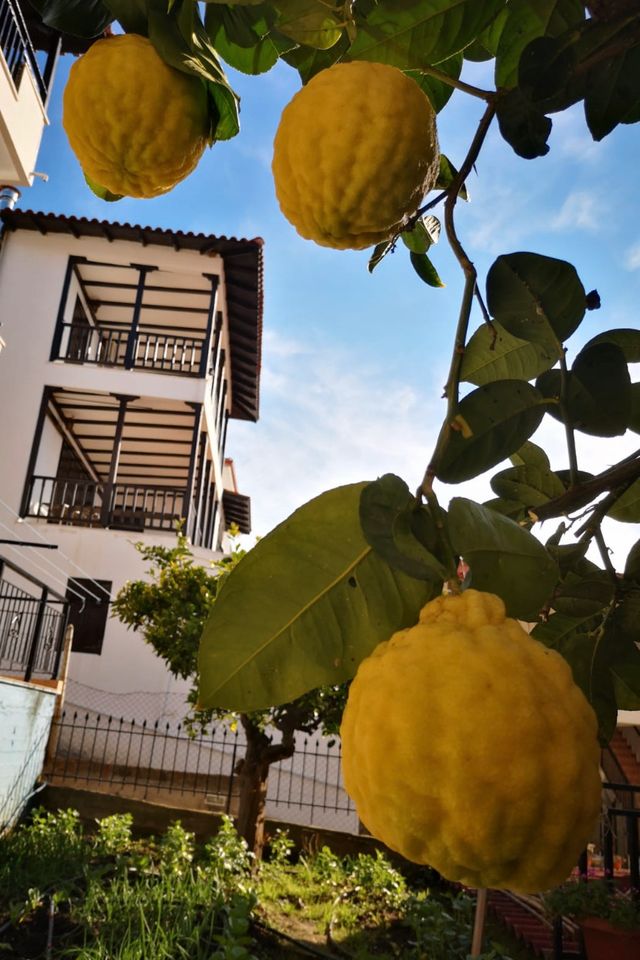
[[22, 121]]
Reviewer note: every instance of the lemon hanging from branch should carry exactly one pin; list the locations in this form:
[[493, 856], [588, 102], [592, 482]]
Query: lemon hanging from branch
[[467, 745], [354, 154], [136, 125]]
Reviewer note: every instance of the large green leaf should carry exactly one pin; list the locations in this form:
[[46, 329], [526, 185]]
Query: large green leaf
[[241, 36], [303, 608], [81, 18], [493, 353], [598, 398], [526, 20], [613, 92], [308, 60], [585, 589], [438, 91], [530, 455], [132, 14], [529, 485], [415, 33], [400, 530], [582, 641], [626, 678], [490, 423], [523, 123], [503, 557], [536, 298]]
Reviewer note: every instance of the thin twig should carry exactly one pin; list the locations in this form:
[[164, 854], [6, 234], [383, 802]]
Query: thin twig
[[606, 556], [486, 316], [487, 95], [566, 419]]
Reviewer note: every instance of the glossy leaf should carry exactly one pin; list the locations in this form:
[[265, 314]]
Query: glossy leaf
[[424, 234], [425, 269], [598, 398], [526, 20], [493, 353], [581, 641], [530, 455], [529, 485], [308, 61], [414, 33], [303, 608], [446, 176], [503, 557], [242, 38], [536, 298], [379, 253], [389, 517], [490, 424]]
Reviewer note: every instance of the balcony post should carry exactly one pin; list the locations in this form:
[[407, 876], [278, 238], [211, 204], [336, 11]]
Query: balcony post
[[191, 476], [206, 346], [37, 630], [105, 512], [53, 55], [35, 447], [59, 327], [130, 353]]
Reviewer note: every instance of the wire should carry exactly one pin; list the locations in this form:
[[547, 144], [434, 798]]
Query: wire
[[47, 573], [61, 553]]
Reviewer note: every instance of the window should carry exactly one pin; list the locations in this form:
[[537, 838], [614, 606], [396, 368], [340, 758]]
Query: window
[[88, 616]]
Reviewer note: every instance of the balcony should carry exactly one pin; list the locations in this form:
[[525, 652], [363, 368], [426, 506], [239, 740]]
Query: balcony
[[137, 317], [25, 77]]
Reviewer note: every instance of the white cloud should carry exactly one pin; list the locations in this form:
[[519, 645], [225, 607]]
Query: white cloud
[[632, 257], [578, 212]]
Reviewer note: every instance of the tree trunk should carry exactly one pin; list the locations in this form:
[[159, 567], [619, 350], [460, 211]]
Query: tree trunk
[[253, 771]]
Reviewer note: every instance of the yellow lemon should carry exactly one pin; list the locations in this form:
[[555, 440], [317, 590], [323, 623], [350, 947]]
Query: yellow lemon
[[136, 125], [354, 154], [468, 746]]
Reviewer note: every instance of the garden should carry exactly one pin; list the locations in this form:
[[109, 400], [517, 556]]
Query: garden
[[67, 891]]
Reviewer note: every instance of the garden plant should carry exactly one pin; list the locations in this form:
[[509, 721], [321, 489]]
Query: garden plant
[[312, 602]]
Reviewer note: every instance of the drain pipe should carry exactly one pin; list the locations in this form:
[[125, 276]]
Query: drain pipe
[[9, 197]]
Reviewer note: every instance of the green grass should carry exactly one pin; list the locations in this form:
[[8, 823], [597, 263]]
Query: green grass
[[116, 897]]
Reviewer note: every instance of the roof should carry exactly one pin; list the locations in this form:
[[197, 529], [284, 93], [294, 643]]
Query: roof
[[243, 266]]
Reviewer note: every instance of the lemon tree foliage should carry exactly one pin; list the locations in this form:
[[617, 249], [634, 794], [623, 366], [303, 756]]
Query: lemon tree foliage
[[316, 597]]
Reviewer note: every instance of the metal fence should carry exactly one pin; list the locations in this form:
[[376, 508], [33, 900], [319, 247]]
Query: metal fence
[[16, 46], [32, 623], [163, 762]]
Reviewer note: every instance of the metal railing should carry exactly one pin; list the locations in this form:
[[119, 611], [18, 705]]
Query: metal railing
[[17, 48], [163, 761], [108, 345], [32, 625], [87, 503]]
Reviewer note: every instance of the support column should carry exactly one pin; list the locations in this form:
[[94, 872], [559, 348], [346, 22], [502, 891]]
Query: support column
[[59, 328], [191, 476], [107, 492], [206, 346], [130, 353], [35, 447]]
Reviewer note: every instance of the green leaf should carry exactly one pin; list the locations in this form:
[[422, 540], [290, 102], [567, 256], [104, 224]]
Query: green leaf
[[508, 508], [613, 92], [632, 564], [490, 424], [625, 670], [585, 589], [598, 398], [425, 269], [523, 124], [389, 516], [81, 18], [626, 509], [634, 416], [538, 299], [308, 61], [101, 192], [438, 91], [379, 253], [132, 14], [415, 33], [303, 608], [503, 557], [424, 234], [581, 641], [182, 41], [526, 20], [627, 339], [530, 455], [528, 484], [241, 36], [447, 175], [310, 22], [493, 353]]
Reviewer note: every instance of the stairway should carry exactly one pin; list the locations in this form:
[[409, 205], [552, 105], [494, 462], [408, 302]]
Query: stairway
[[526, 923], [625, 757]]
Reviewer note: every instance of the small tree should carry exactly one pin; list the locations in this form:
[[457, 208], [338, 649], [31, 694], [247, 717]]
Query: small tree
[[170, 610]]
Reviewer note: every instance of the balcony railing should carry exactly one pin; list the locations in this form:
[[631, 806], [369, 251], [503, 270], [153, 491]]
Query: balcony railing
[[90, 504], [109, 345], [17, 48], [32, 624]]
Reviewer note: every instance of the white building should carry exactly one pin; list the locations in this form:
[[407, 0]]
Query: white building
[[128, 350]]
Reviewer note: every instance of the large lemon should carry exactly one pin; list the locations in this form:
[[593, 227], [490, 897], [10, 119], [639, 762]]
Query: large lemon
[[468, 746], [137, 125], [354, 154]]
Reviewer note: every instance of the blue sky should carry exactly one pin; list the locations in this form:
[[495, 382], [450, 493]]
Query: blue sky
[[354, 363]]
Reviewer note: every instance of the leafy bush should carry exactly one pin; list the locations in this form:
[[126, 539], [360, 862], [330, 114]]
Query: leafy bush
[[595, 898]]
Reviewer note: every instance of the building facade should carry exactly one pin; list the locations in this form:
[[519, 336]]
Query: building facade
[[128, 352]]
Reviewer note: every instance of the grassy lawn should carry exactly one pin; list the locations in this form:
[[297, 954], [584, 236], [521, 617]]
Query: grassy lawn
[[109, 896]]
